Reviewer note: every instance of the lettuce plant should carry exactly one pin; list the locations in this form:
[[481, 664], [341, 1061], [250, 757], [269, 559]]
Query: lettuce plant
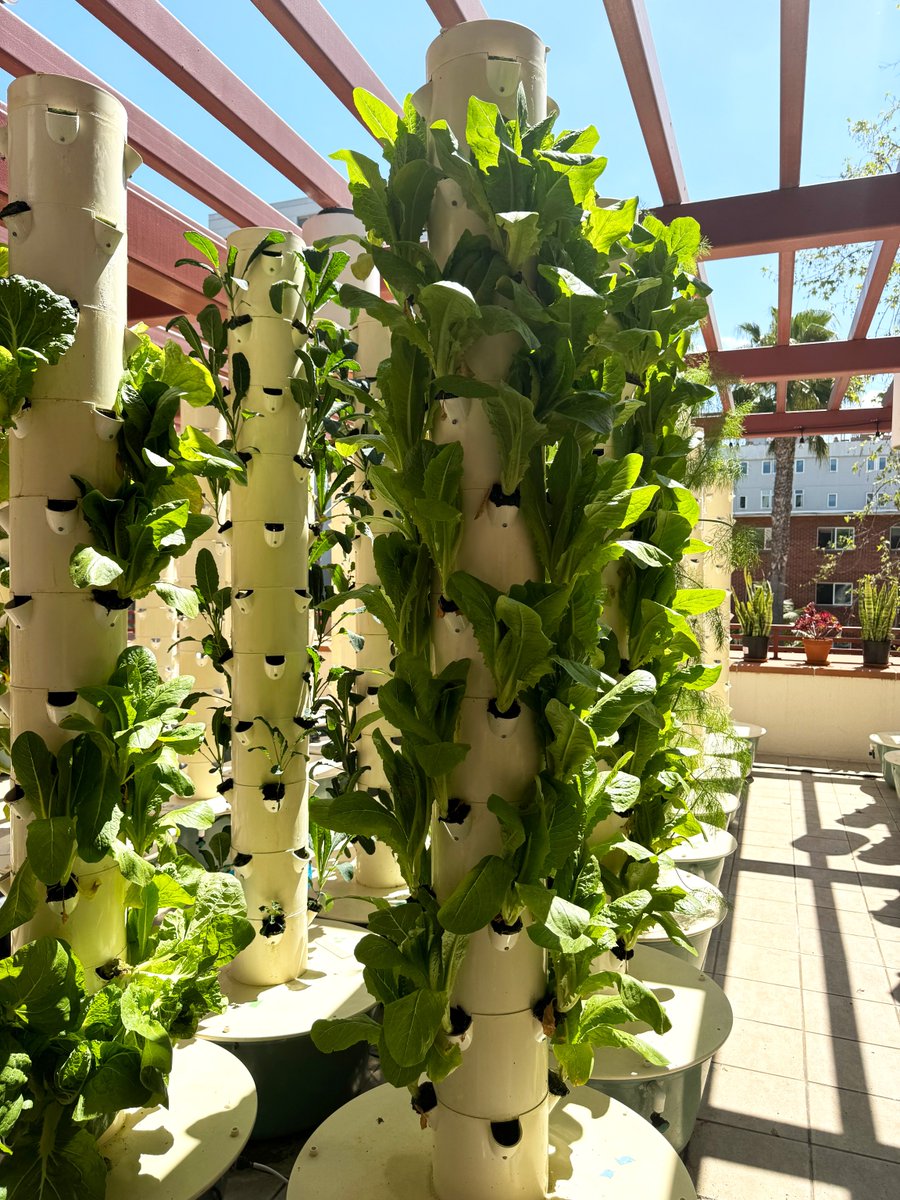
[[36, 327], [592, 423], [70, 1061]]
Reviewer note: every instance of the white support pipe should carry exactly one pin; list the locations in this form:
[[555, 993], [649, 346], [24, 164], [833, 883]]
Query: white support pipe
[[377, 873], [270, 620], [491, 1125], [68, 164]]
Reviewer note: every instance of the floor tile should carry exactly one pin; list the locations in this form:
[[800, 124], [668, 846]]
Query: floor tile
[[849, 924], [770, 1104], [736, 1164], [777, 912], [771, 1003], [761, 965], [847, 1120], [841, 1176], [854, 1066], [858, 1020], [853, 949], [773, 1049], [842, 978]]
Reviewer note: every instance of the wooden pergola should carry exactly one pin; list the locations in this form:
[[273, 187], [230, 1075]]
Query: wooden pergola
[[783, 221]]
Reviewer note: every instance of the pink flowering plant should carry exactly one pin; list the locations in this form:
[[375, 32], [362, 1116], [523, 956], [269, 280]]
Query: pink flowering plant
[[817, 625]]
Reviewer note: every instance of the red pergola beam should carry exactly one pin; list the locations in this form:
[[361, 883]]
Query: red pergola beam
[[807, 360], [631, 32], [23, 50], [794, 44], [820, 214], [883, 255], [152, 31], [454, 12], [322, 44], [155, 241], [824, 422]]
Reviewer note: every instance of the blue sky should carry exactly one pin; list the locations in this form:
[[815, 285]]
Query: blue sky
[[719, 60]]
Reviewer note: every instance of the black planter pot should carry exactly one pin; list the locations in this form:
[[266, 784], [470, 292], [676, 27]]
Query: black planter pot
[[756, 647], [876, 654]]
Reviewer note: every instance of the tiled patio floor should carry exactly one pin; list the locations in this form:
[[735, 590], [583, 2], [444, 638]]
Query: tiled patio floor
[[803, 1101]]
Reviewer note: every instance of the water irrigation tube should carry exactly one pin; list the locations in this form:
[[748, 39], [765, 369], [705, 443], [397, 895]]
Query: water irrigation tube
[[268, 1022], [495, 1129]]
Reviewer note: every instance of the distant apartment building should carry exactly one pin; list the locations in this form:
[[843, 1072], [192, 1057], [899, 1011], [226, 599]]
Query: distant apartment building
[[825, 529]]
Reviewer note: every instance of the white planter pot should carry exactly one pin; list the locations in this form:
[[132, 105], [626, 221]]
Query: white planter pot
[[256, 563], [263, 686], [456, 848], [453, 638], [271, 493], [379, 870], [458, 419], [470, 1163], [505, 766], [374, 341], [698, 917], [268, 961], [257, 830], [705, 853], [504, 1068], [266, 620], [279, 261], [278, 878], [282, 433], [46, 660], [262, 340], [53, 423], [41, 560], [881, 743], [518, 976], [496, 545]]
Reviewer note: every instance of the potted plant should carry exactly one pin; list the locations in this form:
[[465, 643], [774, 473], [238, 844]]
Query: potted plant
[[755, 618], [818, 630], [877, 609]]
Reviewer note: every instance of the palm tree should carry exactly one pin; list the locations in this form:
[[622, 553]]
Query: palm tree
[[803, 395]]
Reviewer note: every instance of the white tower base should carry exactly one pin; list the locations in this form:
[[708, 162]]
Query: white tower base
[[182, 1150], [598, 1148]]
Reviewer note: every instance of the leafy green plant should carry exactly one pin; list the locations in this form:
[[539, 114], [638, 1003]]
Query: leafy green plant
[[755, 613], [592, 423], [155, 514], [877, 606], [36, 326], [69, 1061]]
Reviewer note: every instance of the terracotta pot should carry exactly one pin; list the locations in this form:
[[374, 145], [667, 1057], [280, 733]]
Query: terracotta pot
[[817, 650]]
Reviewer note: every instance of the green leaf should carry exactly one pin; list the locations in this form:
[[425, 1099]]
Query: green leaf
[[91, 569], [34, 768], [564, 929], [478, 896], [205, 245], [511, 416], [183, 600], [36, 326], [576, 1062], [573, 742], [22, 899], [523, 654], [697, 600], [40, 987], [50, 845], [187, 376], [333, 1035], [381, 121], [411, 1024]]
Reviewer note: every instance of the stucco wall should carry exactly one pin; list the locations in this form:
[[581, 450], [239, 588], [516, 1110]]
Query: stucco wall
[[825, 713]]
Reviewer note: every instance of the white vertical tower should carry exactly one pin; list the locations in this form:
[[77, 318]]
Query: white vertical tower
[[375, 874], [491, 1128], [189, 655], [68, 165], [270, 618]]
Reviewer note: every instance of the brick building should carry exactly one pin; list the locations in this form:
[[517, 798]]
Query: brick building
[[831, 547]]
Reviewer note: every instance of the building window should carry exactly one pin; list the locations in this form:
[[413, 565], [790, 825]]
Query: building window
[[832, 465], [838, 595], [767, 466], [765, 501], [882, 462], [895, 537], [870, 499], [745, 467], [798, 499], [742, 502], [799, 466], [762, 535], [832, 499], [838, 537]]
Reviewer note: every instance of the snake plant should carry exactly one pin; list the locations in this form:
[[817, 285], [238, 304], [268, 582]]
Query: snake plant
[[877, 604], [755, 613]]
